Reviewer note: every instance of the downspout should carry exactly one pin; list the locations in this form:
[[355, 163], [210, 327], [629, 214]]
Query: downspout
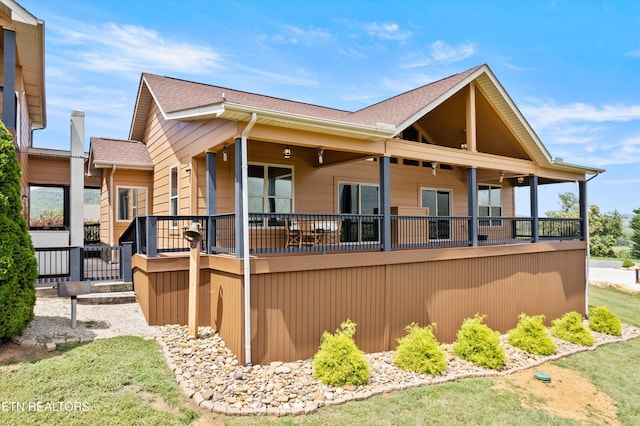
[[586, 293], [111, 204], [245, 246]]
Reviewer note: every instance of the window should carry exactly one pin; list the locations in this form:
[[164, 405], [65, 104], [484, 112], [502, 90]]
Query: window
[[173, 191], [130, 202], [48, 207], [270, 190], [490, 204], [438, 201], [359, 199]]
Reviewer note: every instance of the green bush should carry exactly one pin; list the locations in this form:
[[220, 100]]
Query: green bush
[[571, 328], [339, 361], [418, 351], [603, 320], [531, 336], [480, 345], [18, 268], [628, 263]]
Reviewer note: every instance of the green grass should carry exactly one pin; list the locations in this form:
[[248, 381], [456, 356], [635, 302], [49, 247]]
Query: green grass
[[114, 381], [122, 380]]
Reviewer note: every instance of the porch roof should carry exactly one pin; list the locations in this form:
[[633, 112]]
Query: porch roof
[[126, 154]]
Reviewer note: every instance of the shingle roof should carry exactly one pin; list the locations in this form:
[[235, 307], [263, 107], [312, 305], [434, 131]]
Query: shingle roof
[[175, 95], [123, 153]]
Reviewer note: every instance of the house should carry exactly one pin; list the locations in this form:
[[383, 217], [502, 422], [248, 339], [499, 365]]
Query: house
[[55, 177], [400, 212]]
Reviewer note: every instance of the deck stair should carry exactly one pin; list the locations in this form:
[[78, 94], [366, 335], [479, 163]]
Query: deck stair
[[102, 293]]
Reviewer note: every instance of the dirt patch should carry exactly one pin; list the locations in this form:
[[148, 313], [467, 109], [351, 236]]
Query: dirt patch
[[10, 353], [568, 395]]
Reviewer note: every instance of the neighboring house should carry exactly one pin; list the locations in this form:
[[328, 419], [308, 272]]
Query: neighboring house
[[400, 212], [52, 180]]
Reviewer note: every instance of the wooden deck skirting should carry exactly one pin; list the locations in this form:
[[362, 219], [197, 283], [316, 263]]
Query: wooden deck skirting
[[294, 298]]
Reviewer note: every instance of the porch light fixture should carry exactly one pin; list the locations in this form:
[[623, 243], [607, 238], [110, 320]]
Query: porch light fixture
[[434, 166], [225, 157], [501, 176], [463, 146], [320, 156], [286, 152], [520, 179]]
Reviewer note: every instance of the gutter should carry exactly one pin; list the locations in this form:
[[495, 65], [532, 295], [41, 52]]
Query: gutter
[[586, 293], [245, 240]]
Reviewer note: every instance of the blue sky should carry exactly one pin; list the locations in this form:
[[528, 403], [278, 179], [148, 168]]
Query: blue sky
[[572, 67]]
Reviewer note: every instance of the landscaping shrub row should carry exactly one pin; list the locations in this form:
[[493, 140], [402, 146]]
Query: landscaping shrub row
[[339, 361]]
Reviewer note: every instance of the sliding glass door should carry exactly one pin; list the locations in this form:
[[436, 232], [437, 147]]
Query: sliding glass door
[[438, 201], [359, 199]]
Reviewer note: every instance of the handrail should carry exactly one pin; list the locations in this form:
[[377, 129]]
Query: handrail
[[322, 233]]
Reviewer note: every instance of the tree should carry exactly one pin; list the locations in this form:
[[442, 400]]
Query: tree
[[635, 236], [18, 267], [604, 228]]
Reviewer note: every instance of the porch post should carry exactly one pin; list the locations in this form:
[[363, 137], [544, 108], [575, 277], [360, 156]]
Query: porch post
[[238, 199], [211, 183], [9, 83], [472, 205], [535, 219], [584, 211], [385, 201]]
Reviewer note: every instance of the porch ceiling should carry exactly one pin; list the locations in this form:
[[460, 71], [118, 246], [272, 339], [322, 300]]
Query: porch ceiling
[[446, 125]]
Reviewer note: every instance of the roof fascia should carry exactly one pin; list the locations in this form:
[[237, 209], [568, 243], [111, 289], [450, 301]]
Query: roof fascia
[[232, 110], [122, 165]]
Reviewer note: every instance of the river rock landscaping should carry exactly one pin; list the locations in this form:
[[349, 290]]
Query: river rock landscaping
[[209, 373]]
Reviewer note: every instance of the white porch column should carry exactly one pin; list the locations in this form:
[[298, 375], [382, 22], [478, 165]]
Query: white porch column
[[76, 187]]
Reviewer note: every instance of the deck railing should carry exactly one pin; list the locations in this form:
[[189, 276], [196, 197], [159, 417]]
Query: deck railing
[[322, 233]]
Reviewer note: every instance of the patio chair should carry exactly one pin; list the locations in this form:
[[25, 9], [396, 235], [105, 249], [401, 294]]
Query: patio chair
[[293, 234], [308, 234], [329, 232]]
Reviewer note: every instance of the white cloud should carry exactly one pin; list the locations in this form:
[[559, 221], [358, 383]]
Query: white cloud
[[549, 113], [634, 53], [387, 31], [110, 47], [446, 53], [439, 53]]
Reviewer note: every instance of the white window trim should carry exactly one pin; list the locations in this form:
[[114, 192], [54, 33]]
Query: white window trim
[[146, 204], [177, 196]]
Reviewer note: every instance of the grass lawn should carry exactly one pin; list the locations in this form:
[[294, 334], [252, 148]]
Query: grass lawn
[[125, 381]]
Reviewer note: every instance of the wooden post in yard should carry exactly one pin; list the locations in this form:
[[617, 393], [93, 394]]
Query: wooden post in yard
[[194, 283], [194, 237]]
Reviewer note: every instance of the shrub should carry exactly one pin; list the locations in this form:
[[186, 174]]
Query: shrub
[[480, 345], [571, 328], [628, 263], [339, 361], [531, 336], [603, 320], [418, 351], [18, 268]]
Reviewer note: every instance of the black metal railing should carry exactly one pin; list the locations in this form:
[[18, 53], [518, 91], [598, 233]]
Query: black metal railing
[[95, 263], [287, 233]]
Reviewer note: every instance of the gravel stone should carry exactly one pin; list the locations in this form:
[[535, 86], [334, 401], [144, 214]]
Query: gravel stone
[[208, 371]]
